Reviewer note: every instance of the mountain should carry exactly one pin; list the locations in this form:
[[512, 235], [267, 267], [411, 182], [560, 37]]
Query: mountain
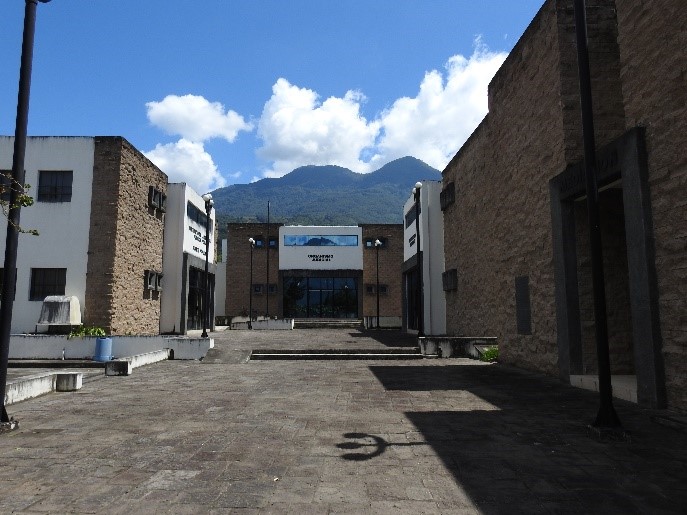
[[325, 195]]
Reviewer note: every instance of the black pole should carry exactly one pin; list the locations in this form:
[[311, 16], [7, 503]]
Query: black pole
[[420, 313], [206, 311], [606, 417], [17, 182], [267, 295], [377, 243], [250, 290]]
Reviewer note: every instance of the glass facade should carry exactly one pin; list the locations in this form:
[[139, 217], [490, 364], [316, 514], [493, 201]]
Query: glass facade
[[320, 297], [319, 240]]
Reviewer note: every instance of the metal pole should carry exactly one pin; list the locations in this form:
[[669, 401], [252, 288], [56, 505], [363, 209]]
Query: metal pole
[[419, 308], [17, 182], [267, 295], [377, 244], [206, 310], [606, 417], [250, 289]]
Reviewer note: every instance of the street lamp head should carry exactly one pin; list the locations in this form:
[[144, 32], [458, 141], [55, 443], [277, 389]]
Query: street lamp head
[[251, 241], [378, 243], [418, 185], [207, 197]]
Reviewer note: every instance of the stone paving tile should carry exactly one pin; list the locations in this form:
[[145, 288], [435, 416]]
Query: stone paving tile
[[432, 436]]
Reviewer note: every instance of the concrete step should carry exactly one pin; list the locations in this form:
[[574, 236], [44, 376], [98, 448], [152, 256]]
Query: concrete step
[[336, 354], [322, 323]]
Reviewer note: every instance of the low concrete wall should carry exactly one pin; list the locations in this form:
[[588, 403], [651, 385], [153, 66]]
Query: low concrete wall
[[284, 324], [454, 346], [34, 385], [124, 366], [30, 346]]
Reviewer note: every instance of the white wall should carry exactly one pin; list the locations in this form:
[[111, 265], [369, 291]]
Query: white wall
[[181, 235], [324, 257], [63, 226], [432, 248]]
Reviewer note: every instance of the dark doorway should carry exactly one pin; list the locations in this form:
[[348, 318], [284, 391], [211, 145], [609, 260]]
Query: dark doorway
[[320, 297], [627, 232]]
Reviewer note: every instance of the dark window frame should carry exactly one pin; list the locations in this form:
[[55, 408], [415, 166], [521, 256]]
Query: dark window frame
[[46, 282], [55, 186]]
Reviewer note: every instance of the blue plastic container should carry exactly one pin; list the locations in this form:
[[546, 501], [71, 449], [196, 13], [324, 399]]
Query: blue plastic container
[[103, 349]]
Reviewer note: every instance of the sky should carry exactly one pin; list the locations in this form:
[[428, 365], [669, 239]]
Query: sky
[[221, 92]]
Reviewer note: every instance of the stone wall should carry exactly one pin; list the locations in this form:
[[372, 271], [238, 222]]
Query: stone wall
[[126, 239], [652, 38], [499, 227], [100, 280], [390, 270]]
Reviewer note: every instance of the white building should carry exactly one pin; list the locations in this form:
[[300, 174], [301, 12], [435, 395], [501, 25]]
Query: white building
[[430, 260], [113, 234], [184, 261]]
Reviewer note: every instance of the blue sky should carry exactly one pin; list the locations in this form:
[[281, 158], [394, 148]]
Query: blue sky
[[218, 92]]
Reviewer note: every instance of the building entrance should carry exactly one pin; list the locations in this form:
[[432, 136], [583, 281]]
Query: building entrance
[[320, 297], [196, 298]]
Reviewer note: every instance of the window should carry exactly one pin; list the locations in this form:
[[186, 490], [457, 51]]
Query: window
[[196, 215], [259, 243], [334, 240], [410, 215], [450, 280], [157, 199], [447, 196], [55, 186], [153, 280], [272, 289], [5, 184], [47, 281], [273, 242], [371, 289], [257, 289]]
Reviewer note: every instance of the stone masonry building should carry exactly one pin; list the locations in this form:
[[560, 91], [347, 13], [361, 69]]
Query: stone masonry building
[[516, 232]]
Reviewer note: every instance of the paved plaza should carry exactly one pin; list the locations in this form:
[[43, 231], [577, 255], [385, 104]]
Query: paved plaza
[[227, 435]]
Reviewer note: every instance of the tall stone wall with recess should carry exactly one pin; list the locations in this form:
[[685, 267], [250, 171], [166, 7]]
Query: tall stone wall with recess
[[499, 228], [652, 38]]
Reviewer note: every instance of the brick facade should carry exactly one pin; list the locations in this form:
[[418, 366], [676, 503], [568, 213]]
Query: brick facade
[[390, 270], [125, 240], [238, 270], [500, 226]]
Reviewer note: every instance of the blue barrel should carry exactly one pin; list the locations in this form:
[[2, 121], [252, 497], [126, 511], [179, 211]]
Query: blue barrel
[[103, 349]]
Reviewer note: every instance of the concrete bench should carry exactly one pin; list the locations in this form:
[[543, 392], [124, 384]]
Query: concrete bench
[[125, 366], [39, 384]]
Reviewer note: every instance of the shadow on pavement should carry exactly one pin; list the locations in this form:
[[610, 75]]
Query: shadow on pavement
[[387, 337], [518, 443]]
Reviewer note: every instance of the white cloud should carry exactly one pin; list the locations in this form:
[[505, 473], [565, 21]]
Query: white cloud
[[297, 129], [196, 119], [186, 161], [433, 125]]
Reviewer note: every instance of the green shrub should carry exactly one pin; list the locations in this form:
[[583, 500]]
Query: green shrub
[[82, 330], [491, 354]]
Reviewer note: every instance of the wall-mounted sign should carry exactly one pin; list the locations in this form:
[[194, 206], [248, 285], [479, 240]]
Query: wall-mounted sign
[[321, 257]]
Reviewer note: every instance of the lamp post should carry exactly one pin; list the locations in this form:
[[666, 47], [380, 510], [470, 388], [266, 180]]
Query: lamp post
[[606, 418], [377, 245], [250, 290], [206, 311], [418, 286], [17, 180]]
